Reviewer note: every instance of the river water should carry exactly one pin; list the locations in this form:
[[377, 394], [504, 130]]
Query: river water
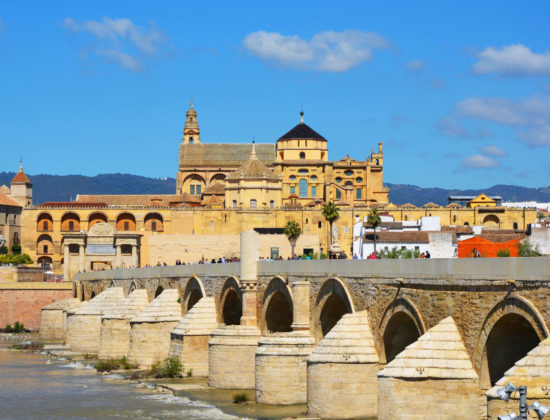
[[34, 386]]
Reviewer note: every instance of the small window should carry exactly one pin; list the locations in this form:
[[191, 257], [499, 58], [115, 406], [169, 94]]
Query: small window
[[292, 190], [377, 161], [338, 180], [346, 229], [211, 224], [154, 225], [358, 180], [406, 217], [348, 184], [303, 188], [306, 143], [313, 177], [515, 226], [302, 155], [338, 194], [292, 178], [45, 249], [303, 171], [126, 249], [234, 204], [272, 204], [416, 248], [348, 173], [126, 225], [358, 194], [314, 191], [298, 143], [71, 225], [454, 218], [198, 189], [253, 204], [45, 225], [307, 221], [403, 247], [319, 225], [192, 189], [191, 140]]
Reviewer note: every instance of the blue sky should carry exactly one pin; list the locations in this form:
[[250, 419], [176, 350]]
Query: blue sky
[[459, 92]]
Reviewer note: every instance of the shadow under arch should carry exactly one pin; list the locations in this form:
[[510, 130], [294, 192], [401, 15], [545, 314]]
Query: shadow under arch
[[230, 308], [400, 326], [193, 292], [332, 302], [277, 306], [512, 328]]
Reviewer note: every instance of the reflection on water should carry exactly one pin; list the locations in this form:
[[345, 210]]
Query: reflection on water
[[31, 387]]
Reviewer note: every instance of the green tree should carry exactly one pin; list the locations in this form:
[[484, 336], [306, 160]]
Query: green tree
[[374, 220], [16, 249], [292, 232], [330, 213]]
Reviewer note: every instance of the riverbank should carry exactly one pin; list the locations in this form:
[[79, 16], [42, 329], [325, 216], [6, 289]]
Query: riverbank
[[192, 395]]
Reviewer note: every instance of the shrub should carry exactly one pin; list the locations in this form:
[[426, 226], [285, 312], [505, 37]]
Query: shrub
[[8, 328], [189, 373], [33, 345], [3, 250], [15, 259], [503, 253], [240, 398], [526, 249], [16, 249], [18, 327], [114, 364], [171, 367]]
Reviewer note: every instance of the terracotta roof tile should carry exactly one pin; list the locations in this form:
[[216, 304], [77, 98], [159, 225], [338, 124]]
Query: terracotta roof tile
[[4, 189], [224, 154], [7, 201], [21, 178], [215, 189], [398, 237], [146, 200]]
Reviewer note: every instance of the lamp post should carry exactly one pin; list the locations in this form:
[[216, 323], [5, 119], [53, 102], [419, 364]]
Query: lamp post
[[505, 393]]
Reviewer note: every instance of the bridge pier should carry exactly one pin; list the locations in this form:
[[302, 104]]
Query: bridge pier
[[189, 339], [84, 327], [342, 369], [115, 325], [53, 322], [150, 329]]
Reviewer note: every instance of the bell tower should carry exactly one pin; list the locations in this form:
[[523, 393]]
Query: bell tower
[[191, 131]]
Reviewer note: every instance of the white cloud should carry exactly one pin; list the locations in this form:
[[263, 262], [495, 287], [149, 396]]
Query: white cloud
[[494, 151], [535, 137], [513, 60], [449, 127], [527, 111], [326, 51], [479, 161], [415, 65], [118, 40]]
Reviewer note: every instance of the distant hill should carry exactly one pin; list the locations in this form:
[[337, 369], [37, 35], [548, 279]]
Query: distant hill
[[66, 187]]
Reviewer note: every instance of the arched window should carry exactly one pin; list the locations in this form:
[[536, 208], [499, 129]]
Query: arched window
[[349, 172], [515, 226], [70, 222], [302, 155], [253, 204], [292, 178], [154, 222], [454, 218], [45, 222], [358, 179], [338, 180], [313, 177], [302, 189], [125, 222], [338, 194], [191, 140]]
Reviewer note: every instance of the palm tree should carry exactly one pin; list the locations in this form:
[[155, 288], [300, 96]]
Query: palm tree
[[373, 219], [292, 232], [330, 213]]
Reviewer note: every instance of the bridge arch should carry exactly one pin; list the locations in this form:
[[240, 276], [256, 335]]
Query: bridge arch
[[133, 286], [513, 327], [401, 325], [277, 306], [332, 302], [194, 291], [230, 307]]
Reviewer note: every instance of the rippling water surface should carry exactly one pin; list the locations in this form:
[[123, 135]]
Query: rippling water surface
[[34, 386]]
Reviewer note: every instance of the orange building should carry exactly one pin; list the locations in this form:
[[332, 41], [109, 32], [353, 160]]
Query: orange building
[[488, 245]]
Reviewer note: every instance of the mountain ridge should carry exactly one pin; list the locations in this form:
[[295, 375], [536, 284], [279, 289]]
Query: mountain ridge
[[66, 187]]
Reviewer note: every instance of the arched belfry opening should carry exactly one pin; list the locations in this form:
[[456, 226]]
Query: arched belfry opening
[[277, 305], [400, 331], [231, 303], [333, 301], [510, 339]]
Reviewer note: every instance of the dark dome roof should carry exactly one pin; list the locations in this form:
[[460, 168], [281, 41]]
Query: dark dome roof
[[302, 131]]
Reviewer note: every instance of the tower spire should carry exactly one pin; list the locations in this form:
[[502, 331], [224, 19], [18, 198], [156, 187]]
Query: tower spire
[[191, 131], [302, 116], [253, 155]]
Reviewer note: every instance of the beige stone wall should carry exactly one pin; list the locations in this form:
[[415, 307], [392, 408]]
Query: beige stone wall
[[114, 338], [192, 351], [52, 326], [281, 368], [442, 399], [83, 332], [342, 390], [231, 358], [149, 342], [191, 248]]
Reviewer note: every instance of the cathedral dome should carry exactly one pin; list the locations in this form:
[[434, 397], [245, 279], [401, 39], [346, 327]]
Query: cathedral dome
[[302, 131]]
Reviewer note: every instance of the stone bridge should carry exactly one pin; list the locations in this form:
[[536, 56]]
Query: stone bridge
[[500, 309]]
